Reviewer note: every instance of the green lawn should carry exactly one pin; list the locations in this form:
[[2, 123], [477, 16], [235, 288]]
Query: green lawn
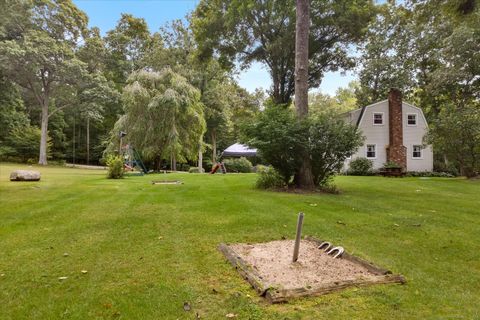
[[149, 248]]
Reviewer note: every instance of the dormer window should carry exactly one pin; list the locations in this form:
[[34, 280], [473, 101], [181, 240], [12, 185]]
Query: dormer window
[[378, 118], [412, 119]]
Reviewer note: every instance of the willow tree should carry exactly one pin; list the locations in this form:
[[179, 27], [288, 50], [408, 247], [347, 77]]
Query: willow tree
[[163, 116]]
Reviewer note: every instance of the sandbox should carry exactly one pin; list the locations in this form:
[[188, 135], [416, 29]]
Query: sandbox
[[268, 267]]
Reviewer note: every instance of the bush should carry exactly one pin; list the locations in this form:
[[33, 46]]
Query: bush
[[115, 167], [360, 167], [429, 174], [284, 141], [195, 170], [391, 165], [269, 178], [238, 165], [183, 167], [450, 168]]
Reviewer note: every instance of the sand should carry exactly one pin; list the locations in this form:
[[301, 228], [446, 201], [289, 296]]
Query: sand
[[273, 262]]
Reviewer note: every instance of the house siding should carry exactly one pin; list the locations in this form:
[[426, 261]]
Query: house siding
[[379, 135], [413, 135]]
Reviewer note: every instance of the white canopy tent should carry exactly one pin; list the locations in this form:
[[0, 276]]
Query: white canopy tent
[[239, 150]]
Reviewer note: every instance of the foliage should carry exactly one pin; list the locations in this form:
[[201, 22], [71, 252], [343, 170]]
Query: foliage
[[360, 167], [264, 31], [280, 138], [42, 58], [196, 170], [163, 116], [387, 59], [447, 167], [23, 143], [242, 165], [344, 100], [12, 116], [115, 167], [429, 174], [456, 134], [183, 167], [126, 47], [391, 165], [269, 178], [330, 142]]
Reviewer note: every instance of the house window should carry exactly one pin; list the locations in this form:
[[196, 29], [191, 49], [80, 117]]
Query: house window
[[378, 118], [371, 151], [412, 119], [417, 152]]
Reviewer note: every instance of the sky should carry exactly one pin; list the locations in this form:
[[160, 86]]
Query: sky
[[104, 14]]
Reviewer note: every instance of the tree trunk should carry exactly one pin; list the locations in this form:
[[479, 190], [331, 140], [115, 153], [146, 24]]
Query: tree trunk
[[214, 145], [74, 131], [44, 134], [88, 140], [200, 158], [174, 162], [304, 176]]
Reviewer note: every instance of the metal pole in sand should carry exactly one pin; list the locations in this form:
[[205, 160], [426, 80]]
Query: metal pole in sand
[[298, 237]]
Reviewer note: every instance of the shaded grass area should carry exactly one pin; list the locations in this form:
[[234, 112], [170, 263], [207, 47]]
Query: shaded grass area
[[149, 248]]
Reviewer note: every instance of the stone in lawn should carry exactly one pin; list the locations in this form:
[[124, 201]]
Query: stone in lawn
[[25, 175]]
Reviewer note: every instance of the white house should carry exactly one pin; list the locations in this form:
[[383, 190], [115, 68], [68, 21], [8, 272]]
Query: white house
[[393, 131]]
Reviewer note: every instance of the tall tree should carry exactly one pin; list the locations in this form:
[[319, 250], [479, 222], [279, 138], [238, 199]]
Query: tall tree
[[304, 177], [264, 31], [127, 44], [163, 116], [42, 58]]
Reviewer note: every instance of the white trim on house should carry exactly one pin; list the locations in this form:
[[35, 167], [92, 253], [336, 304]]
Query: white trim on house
[[383, 118], [375, 150], [416, 119]]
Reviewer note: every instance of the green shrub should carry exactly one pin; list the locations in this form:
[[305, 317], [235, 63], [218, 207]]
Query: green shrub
[[115, 167], [360, 167], [269, 178], [195, 170], [450, 167], [259, 168], [429, 174], [183, 167], [238, 165], [391, 165], [283, 141]]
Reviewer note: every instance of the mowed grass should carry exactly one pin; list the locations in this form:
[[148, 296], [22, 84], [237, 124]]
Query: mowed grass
[[150, 248]]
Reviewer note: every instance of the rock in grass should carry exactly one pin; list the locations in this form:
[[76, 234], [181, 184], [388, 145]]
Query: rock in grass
[[25, 175], [62, 278]]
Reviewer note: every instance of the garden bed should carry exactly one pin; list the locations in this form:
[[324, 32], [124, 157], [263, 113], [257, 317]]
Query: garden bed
[[268, 268]]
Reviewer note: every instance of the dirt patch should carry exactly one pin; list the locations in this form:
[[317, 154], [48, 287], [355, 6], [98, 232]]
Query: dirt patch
[[273, 262], [269, 269]]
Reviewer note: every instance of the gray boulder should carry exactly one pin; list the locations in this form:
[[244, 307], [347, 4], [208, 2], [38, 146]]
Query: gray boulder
[[25, 175]]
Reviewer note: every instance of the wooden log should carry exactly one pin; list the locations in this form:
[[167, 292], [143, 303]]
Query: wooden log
[[245, 270], [282, 295]]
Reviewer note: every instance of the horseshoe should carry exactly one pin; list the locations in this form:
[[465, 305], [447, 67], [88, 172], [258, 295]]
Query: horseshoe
[[329, 245], [339, 250]]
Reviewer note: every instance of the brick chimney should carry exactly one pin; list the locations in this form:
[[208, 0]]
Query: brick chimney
[[396, 151]]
